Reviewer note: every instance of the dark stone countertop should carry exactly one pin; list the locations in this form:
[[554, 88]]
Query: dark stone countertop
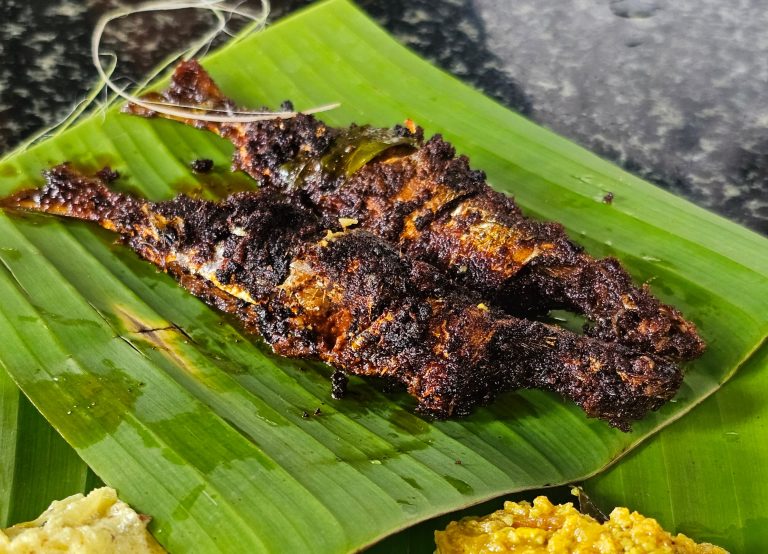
[[675, 92]]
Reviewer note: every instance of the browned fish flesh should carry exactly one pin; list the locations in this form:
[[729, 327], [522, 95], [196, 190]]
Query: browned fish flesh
[[421, 197], [350, 299]]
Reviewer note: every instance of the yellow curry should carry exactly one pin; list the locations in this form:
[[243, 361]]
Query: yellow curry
[[544, 528]]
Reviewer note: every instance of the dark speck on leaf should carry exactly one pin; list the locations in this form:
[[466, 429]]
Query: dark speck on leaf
[[338, 385], [305, 414], [202, 165], [318, 412], [608, 198], [107, 174]]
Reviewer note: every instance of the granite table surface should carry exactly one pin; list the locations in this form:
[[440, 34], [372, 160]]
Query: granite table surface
[[675, 92]]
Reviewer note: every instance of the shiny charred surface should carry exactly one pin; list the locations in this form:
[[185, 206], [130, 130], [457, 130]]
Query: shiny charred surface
[[351, 299], [423, 198]]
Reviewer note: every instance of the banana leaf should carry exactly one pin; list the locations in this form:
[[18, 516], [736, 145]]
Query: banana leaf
[[705, 475], [201, 427], [36, 464]]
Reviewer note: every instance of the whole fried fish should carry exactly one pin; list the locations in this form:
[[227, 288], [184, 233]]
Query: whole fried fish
[[422, 198], [351, 299]]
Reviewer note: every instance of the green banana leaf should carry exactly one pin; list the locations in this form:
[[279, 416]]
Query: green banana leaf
[[201, 427], [36, 464], [706, 475]]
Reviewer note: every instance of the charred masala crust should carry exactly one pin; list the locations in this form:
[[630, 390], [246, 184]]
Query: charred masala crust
[[435, 208], [353, 300]]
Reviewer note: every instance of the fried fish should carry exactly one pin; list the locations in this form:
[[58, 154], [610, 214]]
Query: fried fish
[[432, 206], [351, 299]]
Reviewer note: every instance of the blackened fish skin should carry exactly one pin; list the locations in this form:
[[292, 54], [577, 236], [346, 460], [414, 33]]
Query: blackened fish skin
[[420, 196], [351, 299]]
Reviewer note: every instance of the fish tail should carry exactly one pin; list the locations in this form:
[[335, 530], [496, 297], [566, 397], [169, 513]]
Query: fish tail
[[69, 193], [608, 381]]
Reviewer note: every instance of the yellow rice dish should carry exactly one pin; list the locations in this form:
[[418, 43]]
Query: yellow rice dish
[[546, 528], [95, 524]]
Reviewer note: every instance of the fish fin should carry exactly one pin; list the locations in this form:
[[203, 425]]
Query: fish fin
[[192, 84], [191, 87]]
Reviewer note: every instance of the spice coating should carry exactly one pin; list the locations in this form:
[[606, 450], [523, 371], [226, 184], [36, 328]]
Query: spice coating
[[351, 299], [423, 198]]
